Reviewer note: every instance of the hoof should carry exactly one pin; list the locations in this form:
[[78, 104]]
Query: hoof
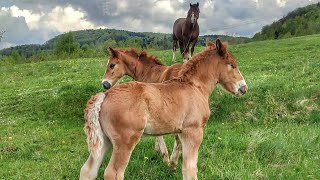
[[185, 60], [166, 160], [173, 165]]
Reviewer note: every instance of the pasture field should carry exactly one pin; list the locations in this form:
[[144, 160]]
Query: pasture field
[[273, 132]]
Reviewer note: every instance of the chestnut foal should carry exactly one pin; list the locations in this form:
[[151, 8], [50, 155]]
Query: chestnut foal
[[144, 68], [121, 115]]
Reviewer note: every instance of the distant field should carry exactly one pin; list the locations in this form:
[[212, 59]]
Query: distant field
[[273, 132]]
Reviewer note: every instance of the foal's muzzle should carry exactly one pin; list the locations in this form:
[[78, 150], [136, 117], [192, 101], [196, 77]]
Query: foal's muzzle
[[106, 85], [243, 89]]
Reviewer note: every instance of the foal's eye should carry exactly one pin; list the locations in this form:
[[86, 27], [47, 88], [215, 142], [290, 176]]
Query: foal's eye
[[233, 66], [112, 66]]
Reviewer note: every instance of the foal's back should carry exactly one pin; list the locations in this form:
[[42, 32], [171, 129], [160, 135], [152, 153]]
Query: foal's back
[[156, 108], [170, 73]]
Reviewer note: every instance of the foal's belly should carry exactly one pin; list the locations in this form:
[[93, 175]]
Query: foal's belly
[[161, 126]]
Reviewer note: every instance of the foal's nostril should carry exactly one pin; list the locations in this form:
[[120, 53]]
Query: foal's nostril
[[243, 89], [106, 85]]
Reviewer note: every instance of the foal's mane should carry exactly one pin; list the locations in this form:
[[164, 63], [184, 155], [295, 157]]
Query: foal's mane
[[142, 56], [190, 68]]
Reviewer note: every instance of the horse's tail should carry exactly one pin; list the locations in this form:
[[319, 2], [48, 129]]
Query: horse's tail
[[95, 135]]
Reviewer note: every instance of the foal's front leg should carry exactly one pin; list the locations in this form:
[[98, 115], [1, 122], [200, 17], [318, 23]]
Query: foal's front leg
[[191, 139], [160, 146]]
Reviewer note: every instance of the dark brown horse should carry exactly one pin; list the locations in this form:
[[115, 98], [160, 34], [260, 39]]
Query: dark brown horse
[[186, 31]]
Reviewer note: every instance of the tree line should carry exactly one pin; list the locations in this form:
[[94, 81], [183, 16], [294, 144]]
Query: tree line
[[93, 43], [300, 22]]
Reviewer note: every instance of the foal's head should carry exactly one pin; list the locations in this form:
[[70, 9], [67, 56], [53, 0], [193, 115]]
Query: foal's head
[[194, 12], [230, 76], [116, 67]]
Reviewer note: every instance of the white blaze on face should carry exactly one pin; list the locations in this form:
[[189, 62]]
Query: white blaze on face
[[240, 84], [106, 79]]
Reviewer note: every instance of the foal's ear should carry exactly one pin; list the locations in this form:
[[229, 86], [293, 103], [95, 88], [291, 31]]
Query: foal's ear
[[220, 48], [190, 5], [197, 4], [112, 52], [209, 43]]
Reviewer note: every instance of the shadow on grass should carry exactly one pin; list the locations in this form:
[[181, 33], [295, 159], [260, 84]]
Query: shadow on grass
[[64, 104]]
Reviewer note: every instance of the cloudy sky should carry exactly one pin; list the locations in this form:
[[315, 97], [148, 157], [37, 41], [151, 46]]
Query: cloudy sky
[[36, 21]]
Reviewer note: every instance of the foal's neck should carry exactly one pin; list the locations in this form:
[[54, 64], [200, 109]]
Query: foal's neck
[[204, 75], [149, 72], [144, 70], [130, 63]]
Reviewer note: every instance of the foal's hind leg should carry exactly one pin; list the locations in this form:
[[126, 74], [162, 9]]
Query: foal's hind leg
[[175, 153], [90, 169], [123, 146], [160, 146], [191, 139]]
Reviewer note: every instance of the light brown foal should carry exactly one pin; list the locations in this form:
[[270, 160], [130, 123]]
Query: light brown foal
[[121, 115], [144, 68]]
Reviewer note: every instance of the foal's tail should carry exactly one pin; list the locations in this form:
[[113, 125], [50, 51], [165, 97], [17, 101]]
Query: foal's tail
[[95, 135]]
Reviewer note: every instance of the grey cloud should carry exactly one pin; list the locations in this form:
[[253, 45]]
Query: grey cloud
[[17, 32], [244, 17]]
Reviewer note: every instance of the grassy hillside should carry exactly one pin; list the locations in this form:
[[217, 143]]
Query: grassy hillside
[[270, 133], [300, 22]]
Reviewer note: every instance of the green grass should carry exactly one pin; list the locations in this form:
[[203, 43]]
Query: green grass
[[273, 132]]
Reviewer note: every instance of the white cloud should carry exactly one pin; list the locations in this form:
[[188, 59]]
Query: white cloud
[[32, 19], [281, 3], [164, 5], [61, 19], [65, 19]]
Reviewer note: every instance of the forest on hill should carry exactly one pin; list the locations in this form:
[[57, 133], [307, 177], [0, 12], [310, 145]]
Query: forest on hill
[[96, 40], [300, 22]]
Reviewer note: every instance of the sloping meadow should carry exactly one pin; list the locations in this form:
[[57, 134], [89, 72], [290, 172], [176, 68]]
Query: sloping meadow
[[271, 132]]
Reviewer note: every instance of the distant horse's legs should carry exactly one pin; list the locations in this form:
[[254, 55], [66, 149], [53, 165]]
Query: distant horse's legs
[[191, 140], [175, 153], [174, 48], [194, 42], [160, 146], [186, 55], [90, 169], [123, 146], [181, 45]]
